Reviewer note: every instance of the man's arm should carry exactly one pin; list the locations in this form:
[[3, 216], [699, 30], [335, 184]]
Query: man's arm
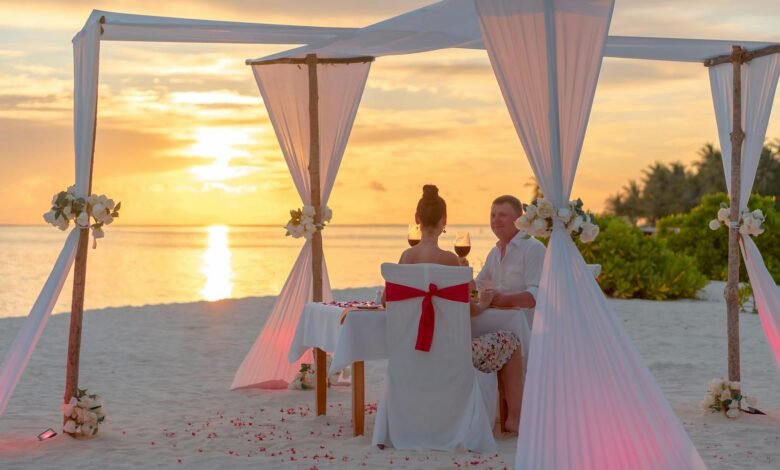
[[523, 299]]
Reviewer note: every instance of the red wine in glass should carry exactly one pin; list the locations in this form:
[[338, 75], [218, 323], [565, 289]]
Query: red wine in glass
[[413, 234], [462, 243], [462, 251]]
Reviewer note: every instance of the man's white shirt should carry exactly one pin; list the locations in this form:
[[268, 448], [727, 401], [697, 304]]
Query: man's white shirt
[[519, 270]]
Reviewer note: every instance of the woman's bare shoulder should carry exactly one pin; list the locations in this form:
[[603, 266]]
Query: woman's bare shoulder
[[405, 256], [448, 258]]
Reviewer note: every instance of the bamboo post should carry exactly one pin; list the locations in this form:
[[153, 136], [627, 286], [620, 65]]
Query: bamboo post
[[320, 363], [76, 316], [79, 287], [732, 286]]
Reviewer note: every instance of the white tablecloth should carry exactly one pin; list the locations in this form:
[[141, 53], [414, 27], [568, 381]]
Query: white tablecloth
[[362, 336]]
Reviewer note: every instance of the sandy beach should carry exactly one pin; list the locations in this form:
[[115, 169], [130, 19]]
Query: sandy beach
[[164, 373]]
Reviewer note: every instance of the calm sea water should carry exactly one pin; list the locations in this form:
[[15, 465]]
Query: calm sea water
[[154, 265]]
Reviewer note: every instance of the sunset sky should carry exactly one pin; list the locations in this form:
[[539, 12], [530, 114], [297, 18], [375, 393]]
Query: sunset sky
[[183, 136]]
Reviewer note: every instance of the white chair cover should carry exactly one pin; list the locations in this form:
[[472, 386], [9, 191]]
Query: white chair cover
[[434, 399], [759, 83], [589, 402]]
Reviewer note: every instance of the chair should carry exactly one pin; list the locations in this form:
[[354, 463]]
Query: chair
[[432, 399]]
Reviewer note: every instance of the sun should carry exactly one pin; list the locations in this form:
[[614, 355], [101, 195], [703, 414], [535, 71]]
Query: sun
[[222, 144]]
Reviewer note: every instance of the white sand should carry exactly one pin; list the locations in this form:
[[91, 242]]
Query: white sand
[[164, 373]]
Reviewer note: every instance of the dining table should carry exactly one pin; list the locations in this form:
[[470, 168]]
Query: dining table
[[354, 333]]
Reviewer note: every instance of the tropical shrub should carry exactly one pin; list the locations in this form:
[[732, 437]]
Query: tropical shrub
[[634, 265], [689, 234]]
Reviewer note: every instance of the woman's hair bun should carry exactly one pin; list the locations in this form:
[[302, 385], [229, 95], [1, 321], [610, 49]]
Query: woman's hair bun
[[430, 192]]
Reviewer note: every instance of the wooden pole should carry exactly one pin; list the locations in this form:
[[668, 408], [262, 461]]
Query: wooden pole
[[77, 298], [732, 286], [358, 399], [76, 316], [320, 362]]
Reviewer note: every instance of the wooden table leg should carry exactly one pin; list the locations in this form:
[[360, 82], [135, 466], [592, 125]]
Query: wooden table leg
[[320, 367], [358, 398]]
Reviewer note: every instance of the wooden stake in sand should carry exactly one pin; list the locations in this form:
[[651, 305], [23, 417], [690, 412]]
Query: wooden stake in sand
[[737, 57], [77, 299], [320, 363], [732, 286]]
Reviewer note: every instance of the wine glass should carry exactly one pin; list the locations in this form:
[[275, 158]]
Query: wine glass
[[462, 243], [413, 234]]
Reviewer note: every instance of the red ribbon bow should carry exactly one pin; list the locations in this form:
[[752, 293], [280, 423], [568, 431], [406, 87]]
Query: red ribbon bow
[[396, 292]]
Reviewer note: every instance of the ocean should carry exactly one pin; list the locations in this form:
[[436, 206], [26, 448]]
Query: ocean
[[149, 265]]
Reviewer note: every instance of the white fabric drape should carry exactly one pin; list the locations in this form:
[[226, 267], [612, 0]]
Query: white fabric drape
[[589, 401], [759, 82], [454, 24], [86, 51], [285, 90]]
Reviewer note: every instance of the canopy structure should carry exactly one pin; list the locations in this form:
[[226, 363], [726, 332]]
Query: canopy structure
[[546, 55]]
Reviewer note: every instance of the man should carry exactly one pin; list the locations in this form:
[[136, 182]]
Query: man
[[514, 266]]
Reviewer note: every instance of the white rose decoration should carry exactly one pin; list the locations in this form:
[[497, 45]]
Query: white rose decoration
[[725, 395], [723, 214], [91, 418], [531, 211], [327, 214], [736, 386], [589, 232], [546, 208], [714, 224], [69, 427], [308, 230], [522, 223], [309, 380], [309, 211], [98, 210], [67, 408], [758, 214], [61, 222], [539, 227], [564, 214], [50, 217], [732, 413], [296, 231], [575, 223], [83, 219]]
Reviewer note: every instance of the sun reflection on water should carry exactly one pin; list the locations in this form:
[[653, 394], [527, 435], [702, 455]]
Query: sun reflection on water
[[217, 266]]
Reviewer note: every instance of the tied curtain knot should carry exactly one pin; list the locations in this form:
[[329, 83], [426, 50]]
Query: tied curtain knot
[[397, 292]]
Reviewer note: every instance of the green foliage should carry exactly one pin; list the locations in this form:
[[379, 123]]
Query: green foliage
[[745, 294], [689, 234], [667, 189], [634, 265]]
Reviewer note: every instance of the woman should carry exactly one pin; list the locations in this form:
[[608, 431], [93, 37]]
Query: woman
[[498, 351]]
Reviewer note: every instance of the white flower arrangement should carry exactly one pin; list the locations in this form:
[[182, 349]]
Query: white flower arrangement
[[66, 207], [306, 378], [538, 217], [726, 396], [302, 224], [750, 222], [84, 413]]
